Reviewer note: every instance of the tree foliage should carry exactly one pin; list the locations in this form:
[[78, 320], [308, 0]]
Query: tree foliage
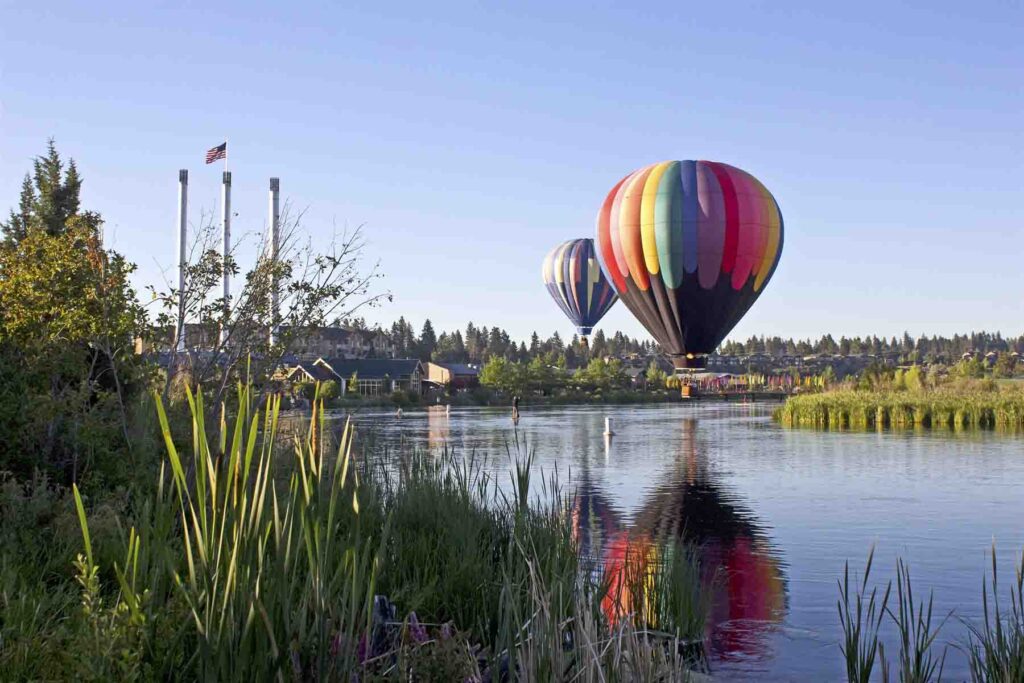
[[49, 199], [68, 319], [221, 337]]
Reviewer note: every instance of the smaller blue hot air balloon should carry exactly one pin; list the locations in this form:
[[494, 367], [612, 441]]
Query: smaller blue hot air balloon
[[575, 281]]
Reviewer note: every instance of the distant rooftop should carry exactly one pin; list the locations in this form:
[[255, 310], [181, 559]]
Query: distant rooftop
[[370, 368]]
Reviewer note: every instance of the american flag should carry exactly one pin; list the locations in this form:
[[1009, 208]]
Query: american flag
[[218, 152]]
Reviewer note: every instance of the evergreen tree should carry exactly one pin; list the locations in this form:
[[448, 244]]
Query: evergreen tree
[[398, 338], [496, 344], [458, 348], [599, 345], [443, 349], [49, 198], [571, 356], [427, 342], [556, 344]]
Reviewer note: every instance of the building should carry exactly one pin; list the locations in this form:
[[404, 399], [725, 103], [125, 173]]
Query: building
[[305, 371], [453, 376], [367, 376], [311, 343]]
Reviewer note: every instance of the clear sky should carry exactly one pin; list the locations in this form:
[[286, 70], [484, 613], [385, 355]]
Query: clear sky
[[470, 139]]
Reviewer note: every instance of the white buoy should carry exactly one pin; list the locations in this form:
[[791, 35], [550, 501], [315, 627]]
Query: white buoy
[[608, 427]]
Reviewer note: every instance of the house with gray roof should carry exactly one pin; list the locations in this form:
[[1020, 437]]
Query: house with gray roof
[[373, 376]]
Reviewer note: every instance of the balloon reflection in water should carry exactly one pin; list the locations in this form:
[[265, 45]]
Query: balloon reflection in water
[[737, 564]]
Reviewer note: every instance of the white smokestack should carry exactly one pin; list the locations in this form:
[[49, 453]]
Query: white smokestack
[[182, 256], [225, 207], [274, 245]]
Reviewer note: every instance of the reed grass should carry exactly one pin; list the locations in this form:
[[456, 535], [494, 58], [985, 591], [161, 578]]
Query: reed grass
[[240, 567], [913, 620], [994, 649], [946, 407], [860, 614]]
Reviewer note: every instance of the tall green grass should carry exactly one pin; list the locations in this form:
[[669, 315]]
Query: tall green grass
[[947, 407], [994, 649], [860, 615], [251, 561]]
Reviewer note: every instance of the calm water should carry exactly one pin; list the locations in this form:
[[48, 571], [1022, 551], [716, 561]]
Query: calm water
[[779, 511]]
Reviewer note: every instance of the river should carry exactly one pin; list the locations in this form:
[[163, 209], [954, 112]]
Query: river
[[779, 511]]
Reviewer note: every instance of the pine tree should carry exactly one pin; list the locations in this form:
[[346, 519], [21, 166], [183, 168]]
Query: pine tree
[[458, 348], [534, 344], [49, 199], [495, 344], [427, 341], [398, 337]]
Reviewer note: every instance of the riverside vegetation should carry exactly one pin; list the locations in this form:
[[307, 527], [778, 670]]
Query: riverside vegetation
[[909, 399], [237, 565], [994, 648], [249, 558]]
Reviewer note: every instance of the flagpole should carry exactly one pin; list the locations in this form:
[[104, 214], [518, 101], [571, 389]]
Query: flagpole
[[225, 155]]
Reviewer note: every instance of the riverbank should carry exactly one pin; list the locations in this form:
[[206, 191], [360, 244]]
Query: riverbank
[[469, 583], [976, 405], [492, 400], [249, 562]]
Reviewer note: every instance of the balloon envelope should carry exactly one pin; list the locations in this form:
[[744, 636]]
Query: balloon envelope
[[688, 247], [574, 279]]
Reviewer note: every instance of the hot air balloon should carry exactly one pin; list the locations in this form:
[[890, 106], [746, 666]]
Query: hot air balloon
[[575, 281], [688, 247]]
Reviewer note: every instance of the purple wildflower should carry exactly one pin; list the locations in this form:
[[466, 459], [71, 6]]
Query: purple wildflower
[[361, 649], [416, 629]]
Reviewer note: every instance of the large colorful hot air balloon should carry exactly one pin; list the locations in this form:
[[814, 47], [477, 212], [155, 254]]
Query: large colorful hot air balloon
[[574, 279], [689, 246]]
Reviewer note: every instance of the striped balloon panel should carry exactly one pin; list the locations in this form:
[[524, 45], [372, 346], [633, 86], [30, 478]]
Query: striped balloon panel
[[689, 246], [574, 279]]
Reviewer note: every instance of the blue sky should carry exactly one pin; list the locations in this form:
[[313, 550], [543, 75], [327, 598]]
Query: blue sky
[[470, 139]]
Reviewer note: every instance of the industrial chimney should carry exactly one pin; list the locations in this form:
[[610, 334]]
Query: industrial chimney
[[179, 338], [274, 244], [225, 207]]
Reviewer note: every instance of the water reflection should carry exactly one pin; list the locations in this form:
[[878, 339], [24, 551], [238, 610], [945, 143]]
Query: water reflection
[[723, 475], [438, 427], [688, 503]]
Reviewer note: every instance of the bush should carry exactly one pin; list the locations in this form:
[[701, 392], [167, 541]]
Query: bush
[[329, 390], [306, 390]]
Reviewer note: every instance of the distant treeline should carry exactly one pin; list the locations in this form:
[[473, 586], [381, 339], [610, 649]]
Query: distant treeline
[[923, 348], [477, 344]]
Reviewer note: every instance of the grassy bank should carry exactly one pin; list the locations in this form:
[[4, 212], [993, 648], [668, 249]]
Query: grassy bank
[[965, 405], [247, 561]]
